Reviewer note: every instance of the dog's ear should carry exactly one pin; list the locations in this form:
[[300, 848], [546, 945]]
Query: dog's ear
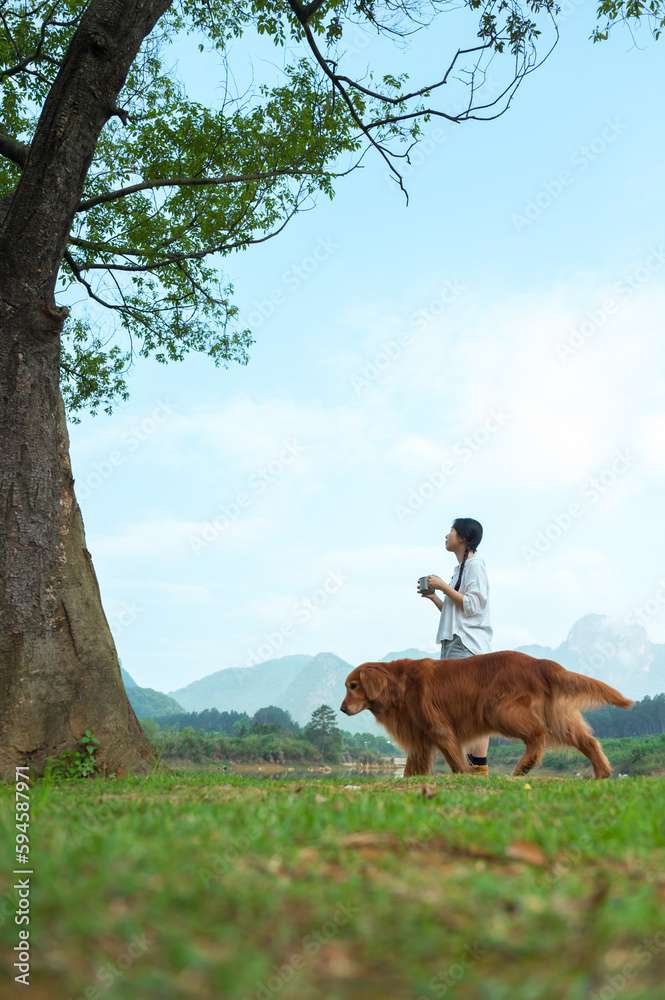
[[374, 680]]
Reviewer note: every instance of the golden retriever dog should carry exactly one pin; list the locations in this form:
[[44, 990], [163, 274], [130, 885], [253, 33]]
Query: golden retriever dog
[[445, 704]]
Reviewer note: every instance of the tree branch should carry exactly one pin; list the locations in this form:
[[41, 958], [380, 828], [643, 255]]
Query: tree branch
[[94, 69], [25, 61], [73, 266], [108, 196], [336, 84], [387, 99], [177, 258], [13, 150], [305, 11], [524, 64]]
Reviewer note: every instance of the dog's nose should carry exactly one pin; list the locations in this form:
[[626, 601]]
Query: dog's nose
[[344, 709]]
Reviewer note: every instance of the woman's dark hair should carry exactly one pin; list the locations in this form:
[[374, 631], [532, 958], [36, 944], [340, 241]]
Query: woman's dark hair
[[471, 533]]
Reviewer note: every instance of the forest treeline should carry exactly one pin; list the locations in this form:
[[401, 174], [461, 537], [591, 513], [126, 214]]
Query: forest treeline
[[645, 718], [270, 734]]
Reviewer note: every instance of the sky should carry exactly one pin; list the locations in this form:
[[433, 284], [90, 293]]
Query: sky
[[494, 350]]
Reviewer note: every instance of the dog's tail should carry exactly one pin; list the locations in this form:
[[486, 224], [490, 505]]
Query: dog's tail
[[585, 691]]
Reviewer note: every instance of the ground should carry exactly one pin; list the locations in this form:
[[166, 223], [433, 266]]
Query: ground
[[200, 884]]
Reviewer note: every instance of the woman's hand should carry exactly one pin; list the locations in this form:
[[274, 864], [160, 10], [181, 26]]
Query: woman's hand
[[436, 583], [433, 597]]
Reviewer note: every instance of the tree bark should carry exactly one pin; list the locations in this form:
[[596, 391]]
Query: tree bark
[[59, 670], [82, 99]]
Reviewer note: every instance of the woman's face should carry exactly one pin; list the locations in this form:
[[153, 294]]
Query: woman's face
[[453, 540]]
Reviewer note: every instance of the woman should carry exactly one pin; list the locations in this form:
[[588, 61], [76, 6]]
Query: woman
[[464, 627]]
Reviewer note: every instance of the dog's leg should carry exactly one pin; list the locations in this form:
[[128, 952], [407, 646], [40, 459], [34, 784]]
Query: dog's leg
[[583, 739], [419, 761], [451, 749], [533, 752], [520, 718], [449, 759]]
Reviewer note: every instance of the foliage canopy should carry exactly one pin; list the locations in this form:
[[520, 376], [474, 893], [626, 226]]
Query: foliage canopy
[[176, 185]]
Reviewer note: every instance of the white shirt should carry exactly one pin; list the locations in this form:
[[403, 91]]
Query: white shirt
[[471, 621]]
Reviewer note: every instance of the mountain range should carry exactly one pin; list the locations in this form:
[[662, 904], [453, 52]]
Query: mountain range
[[619, 654], [297, 683], [146, 702], [612, 651]]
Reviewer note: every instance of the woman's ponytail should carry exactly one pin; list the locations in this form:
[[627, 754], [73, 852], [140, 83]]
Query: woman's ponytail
[[471, 531], [461, 569]]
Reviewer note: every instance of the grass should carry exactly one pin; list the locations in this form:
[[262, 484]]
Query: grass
[[204, 885], [627, 755]]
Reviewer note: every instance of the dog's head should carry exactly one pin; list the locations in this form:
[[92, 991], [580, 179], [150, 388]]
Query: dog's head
[[368, 686]]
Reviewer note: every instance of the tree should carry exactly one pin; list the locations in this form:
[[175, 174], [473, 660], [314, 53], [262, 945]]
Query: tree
[[113, 182], [646, 718], [322, 731], [242, 727], [273, 720], [629, 12]]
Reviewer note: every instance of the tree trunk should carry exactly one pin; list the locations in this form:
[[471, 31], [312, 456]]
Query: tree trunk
[[59, 670]]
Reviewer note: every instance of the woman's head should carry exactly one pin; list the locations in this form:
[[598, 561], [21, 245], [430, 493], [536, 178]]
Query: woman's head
[[465, 531], [463, 537]]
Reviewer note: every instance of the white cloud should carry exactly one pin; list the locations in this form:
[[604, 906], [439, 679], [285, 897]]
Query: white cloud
[[559, 419], [565, 411], [650, 441], [329, 503], [189, 593], [163, 537]]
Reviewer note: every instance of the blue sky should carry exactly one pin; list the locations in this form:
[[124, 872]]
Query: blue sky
[[494, 350]]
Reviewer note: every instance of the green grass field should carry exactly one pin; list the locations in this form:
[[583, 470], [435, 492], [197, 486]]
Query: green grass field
[[627, 755], [205, 885]]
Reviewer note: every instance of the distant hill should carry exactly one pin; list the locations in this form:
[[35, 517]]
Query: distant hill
[[146, 702], [298, 683], [411, 654], [244, 689], [619, 654], [321, 682]]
